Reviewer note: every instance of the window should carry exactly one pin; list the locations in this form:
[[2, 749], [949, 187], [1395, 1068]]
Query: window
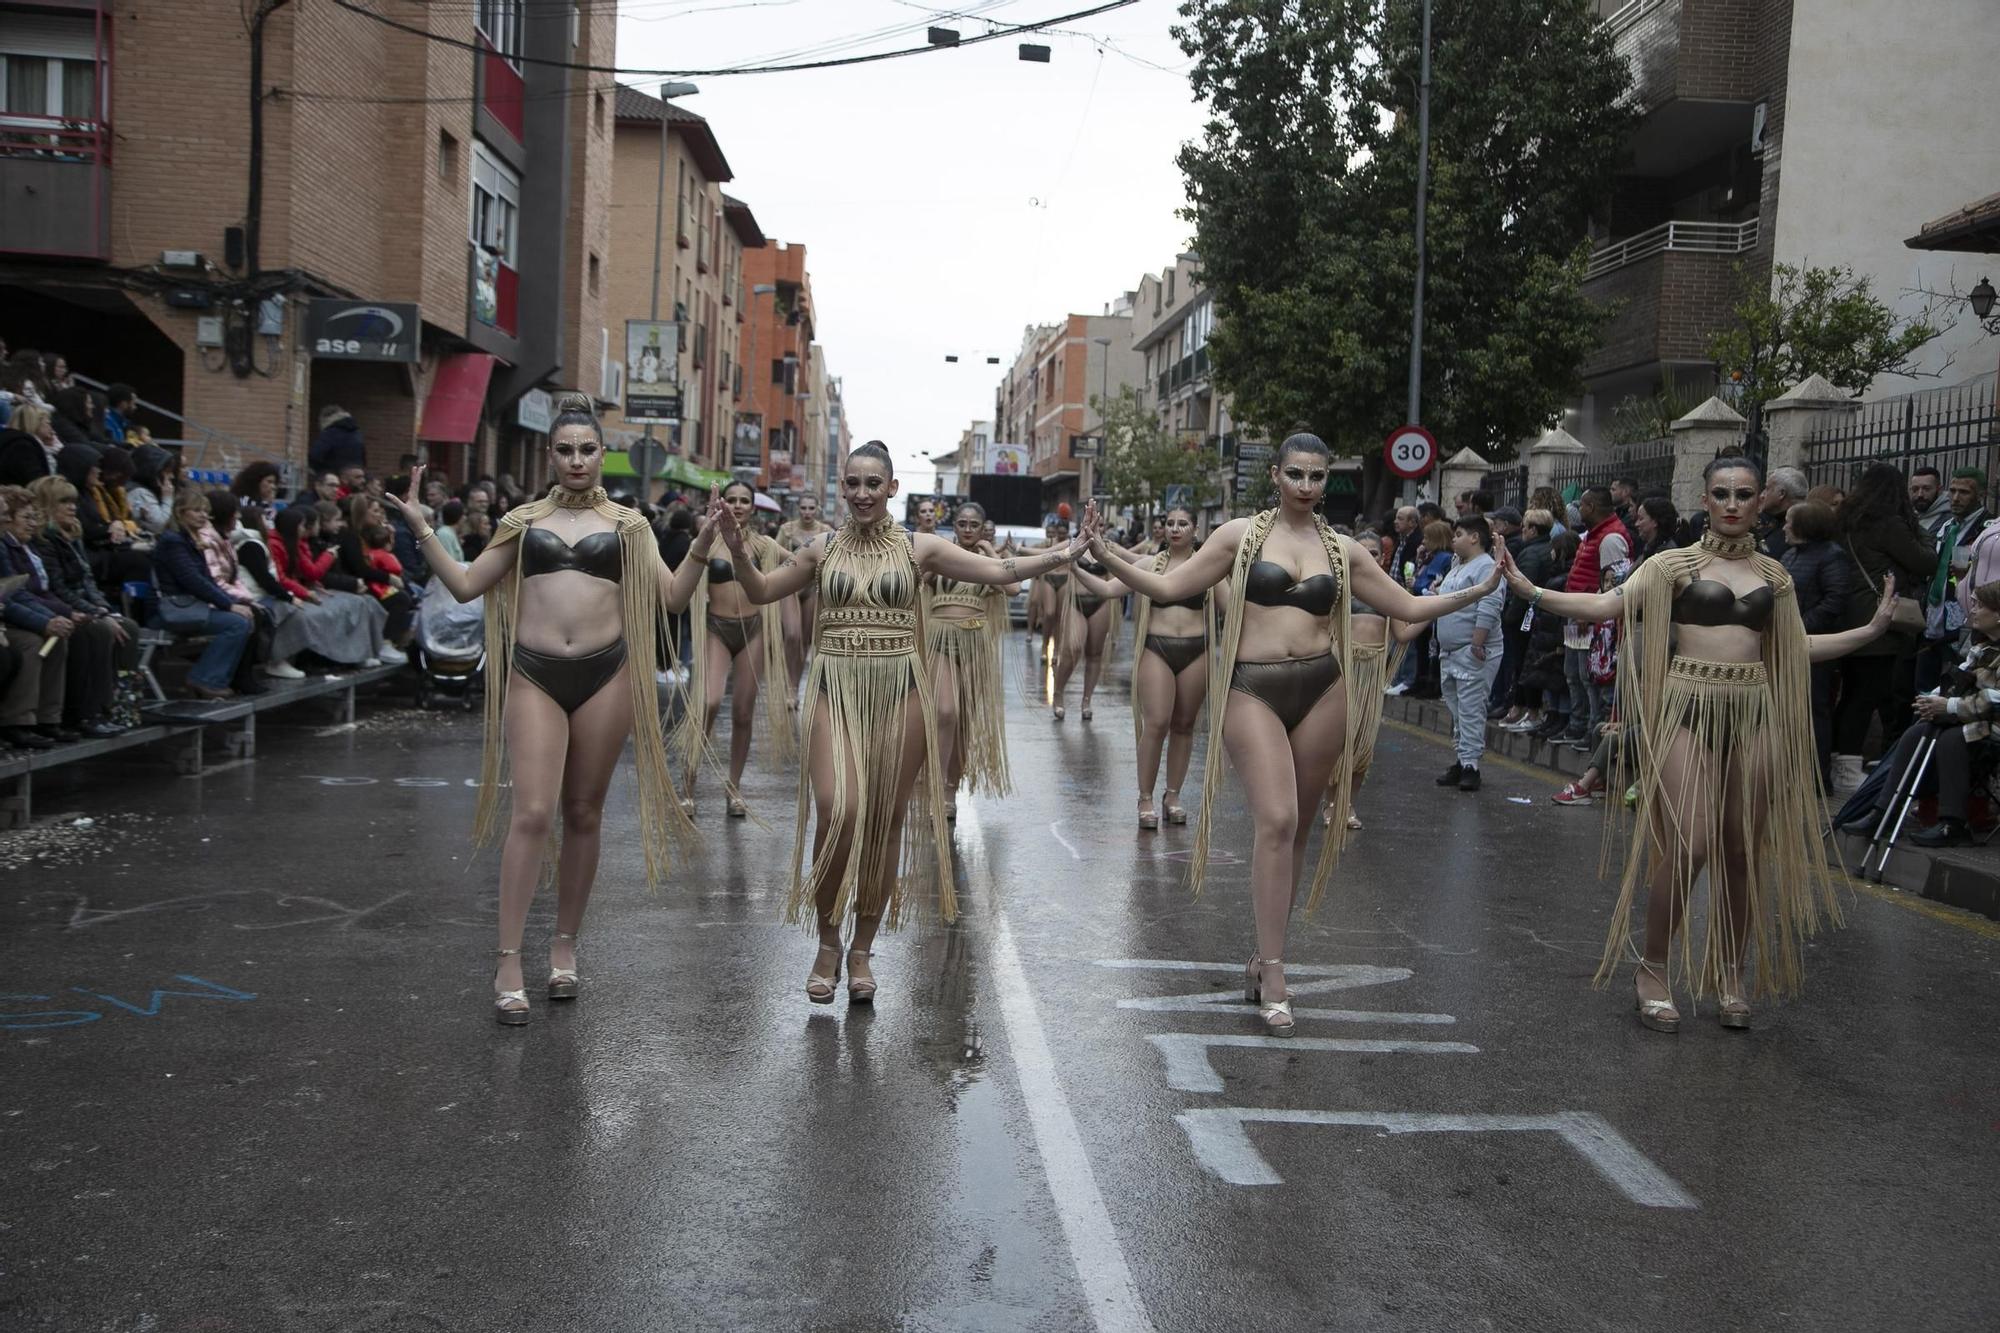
[[50, 67], [594, 274], [777, 370], [1170, 286], [597, 113], [496, 206], [447, 158], [499, 21]]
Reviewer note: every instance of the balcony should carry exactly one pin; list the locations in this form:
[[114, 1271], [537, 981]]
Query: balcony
[[496, 292], [55, 188], [1694, 76], [1671, 287]]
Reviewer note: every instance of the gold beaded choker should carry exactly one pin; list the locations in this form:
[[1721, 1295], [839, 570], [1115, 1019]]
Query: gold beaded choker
[[1729, 548], [566, 498], [867, 535]]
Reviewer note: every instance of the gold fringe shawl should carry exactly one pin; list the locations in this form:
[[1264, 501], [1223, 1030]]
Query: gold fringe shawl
[[1762, 735], [1142, 625], [691, 737], [871, 656], [1223, 666], [975, 656], [1364, 700], [664, 829]]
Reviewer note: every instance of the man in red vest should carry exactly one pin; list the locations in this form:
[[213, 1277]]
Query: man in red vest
[[1606, 545]]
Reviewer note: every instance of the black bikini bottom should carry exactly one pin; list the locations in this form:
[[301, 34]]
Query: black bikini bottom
[[1179, 652], [736, 632], [1087, 604], [1289, 688], [571, 681]]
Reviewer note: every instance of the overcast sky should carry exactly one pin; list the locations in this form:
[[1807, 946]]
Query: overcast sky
[[946, 200]]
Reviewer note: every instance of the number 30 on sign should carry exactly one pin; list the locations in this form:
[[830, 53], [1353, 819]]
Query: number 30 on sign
[[1410, 451]]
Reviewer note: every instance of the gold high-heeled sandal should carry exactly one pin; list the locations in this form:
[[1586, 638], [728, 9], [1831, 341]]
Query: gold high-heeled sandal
[[860, 990], [1734, 1013], [819, 988], [563, 980], [1147, 819], [1659, 1015], [1176, 812], [505, 1000], [737, 810], [1276, 1015]]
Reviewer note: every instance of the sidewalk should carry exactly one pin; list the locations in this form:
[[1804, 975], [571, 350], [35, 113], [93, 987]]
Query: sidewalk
[[1963, 877]]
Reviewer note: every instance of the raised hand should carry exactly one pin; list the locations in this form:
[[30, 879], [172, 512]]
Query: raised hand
[[408, 504], [1505, 568], [724, 520]]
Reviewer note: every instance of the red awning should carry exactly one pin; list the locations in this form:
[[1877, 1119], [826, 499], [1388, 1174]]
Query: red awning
[[458, 397]]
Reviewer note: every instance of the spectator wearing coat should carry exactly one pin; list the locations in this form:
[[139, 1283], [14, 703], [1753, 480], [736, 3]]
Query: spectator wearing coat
[[150, 493], [1823, 586], [338, 445], [1877, 528], [38, 630], [198, 605]]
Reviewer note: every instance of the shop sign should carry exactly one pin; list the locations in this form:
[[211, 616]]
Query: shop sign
[[339, 330], [652, 370], [536, 412]]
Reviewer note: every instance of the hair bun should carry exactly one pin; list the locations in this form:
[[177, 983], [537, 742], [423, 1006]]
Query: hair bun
[[576, 402]]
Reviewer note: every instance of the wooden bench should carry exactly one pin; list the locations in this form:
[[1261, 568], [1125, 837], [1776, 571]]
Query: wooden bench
[[186, 721]]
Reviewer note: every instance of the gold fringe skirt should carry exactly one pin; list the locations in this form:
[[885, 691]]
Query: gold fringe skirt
[[1720, 772], [1364, 696], [866, 666], [973, 651]]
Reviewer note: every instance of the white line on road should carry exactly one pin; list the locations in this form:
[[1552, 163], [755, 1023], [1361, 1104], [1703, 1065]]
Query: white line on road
[[1114, 1300], [1223, 1146], [1188, 1069]]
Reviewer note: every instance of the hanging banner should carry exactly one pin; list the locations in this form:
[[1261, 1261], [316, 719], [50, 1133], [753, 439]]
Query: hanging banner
[[746, 447], [652, 370], [1007, 460]]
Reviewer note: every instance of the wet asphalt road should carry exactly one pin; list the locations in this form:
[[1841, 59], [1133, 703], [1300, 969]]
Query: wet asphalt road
[[250, 1079]]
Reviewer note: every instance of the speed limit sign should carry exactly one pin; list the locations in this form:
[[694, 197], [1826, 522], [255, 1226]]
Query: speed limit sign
[[1410, 451]]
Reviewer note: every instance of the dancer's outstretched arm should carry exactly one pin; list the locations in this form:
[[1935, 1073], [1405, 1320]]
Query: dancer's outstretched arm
[[935, 555], [1392, 599], [1826, 647], [464, 582], [677, 585], [1585, 606], [1204, 569]]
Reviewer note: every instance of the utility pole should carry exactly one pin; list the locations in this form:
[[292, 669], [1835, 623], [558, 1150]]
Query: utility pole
[[1087, 471], [1423, 191]]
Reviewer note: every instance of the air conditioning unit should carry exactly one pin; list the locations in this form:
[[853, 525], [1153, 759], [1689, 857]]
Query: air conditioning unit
[[613, 388]]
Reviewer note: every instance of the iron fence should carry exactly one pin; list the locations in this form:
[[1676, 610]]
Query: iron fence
[[1947, 430], [1649, 465], [1508, 486]]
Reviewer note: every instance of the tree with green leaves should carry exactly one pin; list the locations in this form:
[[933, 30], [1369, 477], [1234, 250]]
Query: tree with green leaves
[[1813, 321], [1302, 191], [1141, 460]]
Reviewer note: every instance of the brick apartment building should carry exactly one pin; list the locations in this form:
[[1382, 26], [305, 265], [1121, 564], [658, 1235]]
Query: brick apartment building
[[1807, 135], [793, 424], [147, 234], [1045, 396], [703, 234]]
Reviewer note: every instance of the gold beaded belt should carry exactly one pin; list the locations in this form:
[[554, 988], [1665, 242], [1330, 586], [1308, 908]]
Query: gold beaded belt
[[970, 622], [1718, 673], [866, 631]]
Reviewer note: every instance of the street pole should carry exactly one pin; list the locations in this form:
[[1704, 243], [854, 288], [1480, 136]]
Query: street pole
[[1423, 190], [1087, 472]]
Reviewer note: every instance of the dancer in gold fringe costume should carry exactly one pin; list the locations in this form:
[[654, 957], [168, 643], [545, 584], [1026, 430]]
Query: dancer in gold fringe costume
[[740, 642], [574, 587], [1285, 723], [869, 718], [1378, 651], [793, 534], [967, 634], [1170, 671], [1713, 667]]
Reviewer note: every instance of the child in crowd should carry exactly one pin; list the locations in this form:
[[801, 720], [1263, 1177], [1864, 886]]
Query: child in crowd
[[382, 559]]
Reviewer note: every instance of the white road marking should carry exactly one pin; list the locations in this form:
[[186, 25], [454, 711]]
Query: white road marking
[[1115, 1306], [1055, 830], [1188, 1069], [1223, 1146]]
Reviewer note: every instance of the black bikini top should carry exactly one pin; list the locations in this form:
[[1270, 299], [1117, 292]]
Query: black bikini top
[[600, 555], [721, 571], [1270, 584], [1189, 604], [1708, 603]]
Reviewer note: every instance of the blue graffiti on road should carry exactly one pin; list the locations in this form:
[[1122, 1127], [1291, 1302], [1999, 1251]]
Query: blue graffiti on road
[[69, 1018]]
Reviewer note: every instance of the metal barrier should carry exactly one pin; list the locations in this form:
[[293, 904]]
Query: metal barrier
[[1945, 429]]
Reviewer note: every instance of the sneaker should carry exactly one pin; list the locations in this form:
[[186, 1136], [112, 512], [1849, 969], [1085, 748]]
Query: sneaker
[[1552, 726], [1581, 744], [283, 671], [1470, 780], [1452, 776], [392, 655], [1397, 688], [1571, 794], [370, 663]]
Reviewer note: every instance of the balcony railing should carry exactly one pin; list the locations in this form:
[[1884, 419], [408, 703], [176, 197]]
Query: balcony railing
[[58, 187], [1708, 238], [1623, 20]]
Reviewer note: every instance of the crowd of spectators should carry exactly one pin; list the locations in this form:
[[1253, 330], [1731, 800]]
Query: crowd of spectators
[[1557, 680]]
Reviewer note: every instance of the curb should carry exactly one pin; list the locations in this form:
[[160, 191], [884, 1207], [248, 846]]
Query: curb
[[1967, 878]]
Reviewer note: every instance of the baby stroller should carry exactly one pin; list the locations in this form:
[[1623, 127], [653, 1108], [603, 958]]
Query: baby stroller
[[451, 647]]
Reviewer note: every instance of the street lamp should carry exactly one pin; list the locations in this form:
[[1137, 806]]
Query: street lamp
[[1981, 299], [1087, 482], [668, 91]]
